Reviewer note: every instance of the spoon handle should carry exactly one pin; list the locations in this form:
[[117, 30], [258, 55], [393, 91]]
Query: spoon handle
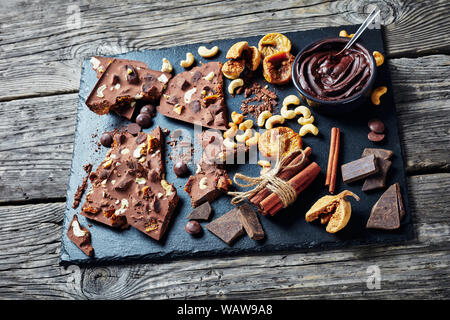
[[361, 29]]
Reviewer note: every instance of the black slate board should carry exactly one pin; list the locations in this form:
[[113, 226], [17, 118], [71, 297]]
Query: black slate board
[[287, 231]]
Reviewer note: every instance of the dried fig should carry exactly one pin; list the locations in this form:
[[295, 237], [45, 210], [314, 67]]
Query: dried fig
[[279, 140], [273, 43], [232, 69], [236, 50], [277, 67], [252, 58], [333, 210]]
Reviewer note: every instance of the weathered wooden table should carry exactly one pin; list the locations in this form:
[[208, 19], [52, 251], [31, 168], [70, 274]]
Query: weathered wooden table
[[42, 44]]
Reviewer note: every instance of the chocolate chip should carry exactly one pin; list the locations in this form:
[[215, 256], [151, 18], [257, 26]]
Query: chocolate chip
[[173, 100], [144, 120], [133, 128], [197, 76], [195, 106], [106, 139], [375, 137], [132, 76], [376, 125], [193, 227], [150, 89], [183, 84], [148, 109], [141, 138], [115, 80], [180, 168], [122, 139]]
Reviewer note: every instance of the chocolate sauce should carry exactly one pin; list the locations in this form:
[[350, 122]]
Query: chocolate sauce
[[327, 76]]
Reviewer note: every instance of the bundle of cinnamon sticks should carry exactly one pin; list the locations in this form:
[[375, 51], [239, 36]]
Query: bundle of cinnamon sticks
[[299, 177]]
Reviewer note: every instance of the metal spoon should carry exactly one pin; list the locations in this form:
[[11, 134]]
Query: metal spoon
[[360, 30]]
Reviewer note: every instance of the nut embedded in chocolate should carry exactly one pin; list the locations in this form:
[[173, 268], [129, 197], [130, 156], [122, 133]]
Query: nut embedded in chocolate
[[132, 76]]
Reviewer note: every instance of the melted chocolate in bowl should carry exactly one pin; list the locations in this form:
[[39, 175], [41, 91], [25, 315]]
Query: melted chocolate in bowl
[[326, 76]]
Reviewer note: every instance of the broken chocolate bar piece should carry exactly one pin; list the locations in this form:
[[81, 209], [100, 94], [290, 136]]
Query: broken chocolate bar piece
[[99, 64], [387, 211], [123, 84], [384, 154], [207, 184], [250, 222], [196, 96], [80, 236], [377, 180], [128, 188], [228, 227], [202, 212], [359, 169]]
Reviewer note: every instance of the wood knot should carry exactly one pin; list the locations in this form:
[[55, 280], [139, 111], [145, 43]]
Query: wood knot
[[102, 282]]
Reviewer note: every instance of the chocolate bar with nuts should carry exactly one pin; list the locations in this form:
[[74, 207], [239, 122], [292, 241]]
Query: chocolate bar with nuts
[[123, 84], [128, 188], [359, 169], [80, 236], [196, 96]]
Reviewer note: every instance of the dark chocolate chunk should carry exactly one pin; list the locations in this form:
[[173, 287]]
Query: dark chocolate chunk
[[121, 138], [250, 222], [80, 236], [106, 139], [378, 180], [195, 106], [228, 227], [359, 169], [196, 76], [202, 212], [150, 89], [144, 120], [379, 153], [183, 84], [123, 185], [376, 125], [385, 213], [133, 128], [401, 206], [140, 139], [132, 75], [115, 80], [193, 227]]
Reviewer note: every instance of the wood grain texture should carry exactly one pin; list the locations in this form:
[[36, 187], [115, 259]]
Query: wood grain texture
[[41, 50], [36, 142], [30, 242]]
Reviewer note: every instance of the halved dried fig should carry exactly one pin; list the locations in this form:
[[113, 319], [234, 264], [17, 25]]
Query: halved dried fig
[[273, 43], [252, 58], [279, 141], [277, 67], [232, 69], [236, 50], [334, 210]]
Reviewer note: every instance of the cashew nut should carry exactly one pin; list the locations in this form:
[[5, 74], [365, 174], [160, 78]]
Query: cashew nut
[[245, 136], [189, 60], [291, 99], [166, 66], [376, 94], [264, 163], [237, 117], [302, 110], [262, 117], [253, 141], [379, 58], [343, 33], [208, 53], [229, 144], [308, 128], [302, 120], [236, 83], [287, 114], [230, 133], [273, 120], [247, 124]]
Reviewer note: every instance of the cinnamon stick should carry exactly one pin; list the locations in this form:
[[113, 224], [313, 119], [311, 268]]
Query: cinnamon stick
[[272, 204], [285, 174], [331, 155], [334, 165]]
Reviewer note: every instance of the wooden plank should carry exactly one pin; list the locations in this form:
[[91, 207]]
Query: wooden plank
[[44, 42], [420, 269], [36, 134]]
